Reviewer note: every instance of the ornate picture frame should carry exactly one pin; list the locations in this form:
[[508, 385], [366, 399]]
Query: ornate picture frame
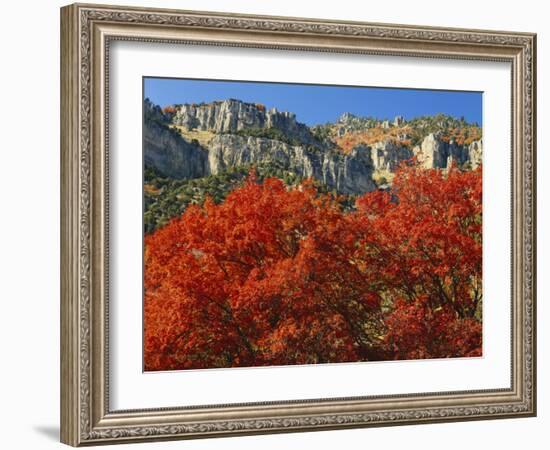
[[87, 32]]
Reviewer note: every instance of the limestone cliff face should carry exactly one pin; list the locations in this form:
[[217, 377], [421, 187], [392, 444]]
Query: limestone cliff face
[[475, 152], [230, 116], [177, 155], [386, 155], [436, 153], [170, 154], [348, 174], [174, 157]]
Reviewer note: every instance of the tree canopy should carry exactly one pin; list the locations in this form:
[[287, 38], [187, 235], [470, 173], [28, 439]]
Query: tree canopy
[[279, 275]]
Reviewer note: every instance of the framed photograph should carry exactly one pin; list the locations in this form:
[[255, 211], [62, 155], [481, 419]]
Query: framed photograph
[[279, 224]]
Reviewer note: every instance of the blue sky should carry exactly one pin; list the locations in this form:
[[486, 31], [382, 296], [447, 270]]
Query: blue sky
[[316, 104]]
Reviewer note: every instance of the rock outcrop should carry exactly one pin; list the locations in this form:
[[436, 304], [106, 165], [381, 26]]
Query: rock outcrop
[[398, 121], [230, 116], [348, 174], [436, 153], [386, 155], [170, 154], [475, 152], [235, 141]]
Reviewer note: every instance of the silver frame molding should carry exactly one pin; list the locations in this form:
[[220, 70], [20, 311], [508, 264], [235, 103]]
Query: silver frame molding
[[86, 33]]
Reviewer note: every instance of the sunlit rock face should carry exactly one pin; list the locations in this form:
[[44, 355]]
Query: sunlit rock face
[[242, 134], [438, 154]]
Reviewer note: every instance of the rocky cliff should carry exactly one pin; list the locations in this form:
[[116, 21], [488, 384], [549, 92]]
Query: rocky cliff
[[437, 153], [241, 134], [167, 151], [172, 156], [348, 174], [230, 116], [387, 155]]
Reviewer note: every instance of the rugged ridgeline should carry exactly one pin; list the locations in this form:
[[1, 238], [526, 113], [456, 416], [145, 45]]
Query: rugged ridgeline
[[165, 149], [219, 141], [231, 116], [193, 141], [436, 141]]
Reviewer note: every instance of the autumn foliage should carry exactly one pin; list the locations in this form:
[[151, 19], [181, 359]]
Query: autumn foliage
[[349, 140], [170, 109], [463, 135], [277, 275]]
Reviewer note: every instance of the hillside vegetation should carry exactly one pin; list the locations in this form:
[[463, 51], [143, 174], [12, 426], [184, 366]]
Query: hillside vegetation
[[202, 141]]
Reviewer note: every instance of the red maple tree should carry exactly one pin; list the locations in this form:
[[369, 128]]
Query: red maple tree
[[424, 242], [277, 275]]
